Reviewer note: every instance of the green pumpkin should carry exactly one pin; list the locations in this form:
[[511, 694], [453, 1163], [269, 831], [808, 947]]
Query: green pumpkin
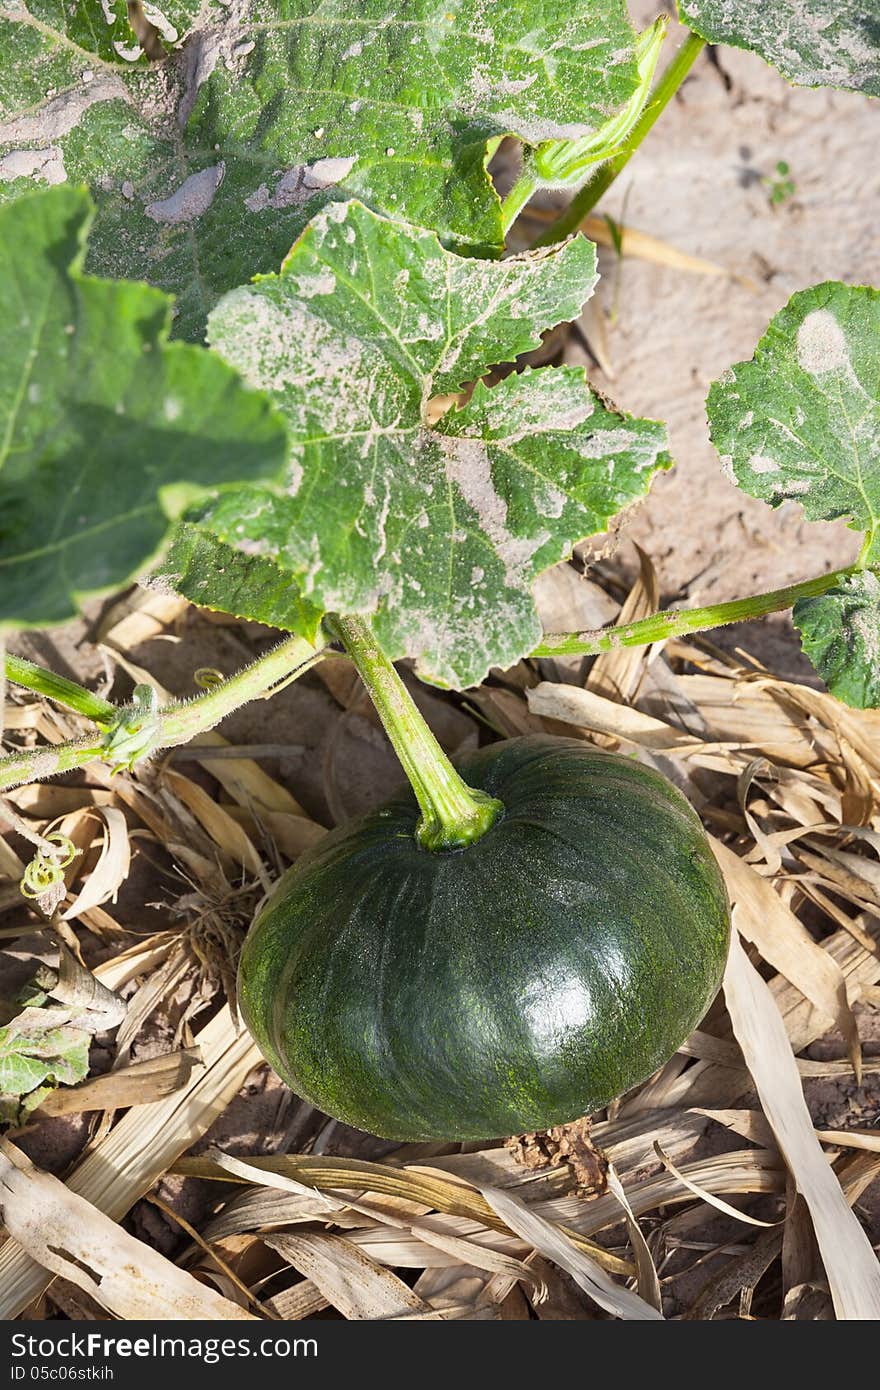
[[515, 984]]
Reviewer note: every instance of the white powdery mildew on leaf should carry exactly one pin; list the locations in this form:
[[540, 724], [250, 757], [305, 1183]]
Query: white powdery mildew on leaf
[[759, 463], [397, 494], [278, 346], [191, 200], [508, 426], [726, 461], [840, 632], [391, 104], [248, 546], [866, 621], [814, 43], [300, 183], [549, 501], [821, 345], [537, 132], [607, 443], [801, 421], [469, 468], [308, 286]]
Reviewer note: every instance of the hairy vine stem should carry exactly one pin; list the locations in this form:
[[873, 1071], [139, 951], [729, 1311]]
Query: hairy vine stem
[[588, 196], [452, 812], [174, 724], [677, 622], [64, 692]]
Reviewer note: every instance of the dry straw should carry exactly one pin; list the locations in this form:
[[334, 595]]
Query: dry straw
[[788, 782]]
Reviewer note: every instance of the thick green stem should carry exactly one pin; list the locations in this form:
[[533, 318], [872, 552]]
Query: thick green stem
[[678, 622], [453, 814], [64, 692], [33, 764], [586, 199], [176, 723]]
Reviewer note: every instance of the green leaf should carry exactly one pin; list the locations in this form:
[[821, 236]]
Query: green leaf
[[206, 166], [801, 421], [97, 28], [107, 432], [840, 633], [814, 43], [37, 1053], [437, 522], [249, 585]]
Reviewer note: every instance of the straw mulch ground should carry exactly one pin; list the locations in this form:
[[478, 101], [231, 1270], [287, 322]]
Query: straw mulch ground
[[709, 1192]]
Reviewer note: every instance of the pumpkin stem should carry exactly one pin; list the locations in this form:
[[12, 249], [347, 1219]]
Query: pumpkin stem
[[453, 814]]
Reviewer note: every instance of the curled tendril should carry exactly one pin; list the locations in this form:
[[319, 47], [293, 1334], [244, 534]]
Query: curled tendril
[[67, 850], [46, 869], [208, 678]]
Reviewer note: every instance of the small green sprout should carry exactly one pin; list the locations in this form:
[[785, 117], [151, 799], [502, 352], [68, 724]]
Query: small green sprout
[[779, 186]]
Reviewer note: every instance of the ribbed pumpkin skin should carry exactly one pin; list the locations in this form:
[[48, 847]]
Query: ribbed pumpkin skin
[[506, 987]]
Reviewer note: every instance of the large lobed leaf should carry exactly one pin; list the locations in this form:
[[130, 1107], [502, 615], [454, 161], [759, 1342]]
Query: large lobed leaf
[[801, 422], [814, 43], [436, 522], [107, 432], [207, 165]]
